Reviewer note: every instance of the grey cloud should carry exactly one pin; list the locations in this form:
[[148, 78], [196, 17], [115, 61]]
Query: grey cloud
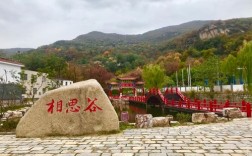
[[32, 23]]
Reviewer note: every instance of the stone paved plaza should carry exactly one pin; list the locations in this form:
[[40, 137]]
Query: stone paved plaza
[[222, 139]]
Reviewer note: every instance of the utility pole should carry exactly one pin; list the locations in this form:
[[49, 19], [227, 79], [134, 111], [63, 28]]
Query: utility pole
[[183, 83], [187, 70], [189, 76], [177, 78]]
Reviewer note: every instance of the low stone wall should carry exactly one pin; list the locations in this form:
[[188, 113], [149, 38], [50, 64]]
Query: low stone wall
[[14, 114], [204, 117]]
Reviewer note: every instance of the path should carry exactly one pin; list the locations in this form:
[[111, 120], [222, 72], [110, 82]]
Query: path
[[220, 139]]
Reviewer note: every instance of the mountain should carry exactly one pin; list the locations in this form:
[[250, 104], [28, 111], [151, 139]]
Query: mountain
[[171, 32], [190, 32], [111, 39], [157, 35], [12, 51], [119, 53], [95, 43], [214, 35]]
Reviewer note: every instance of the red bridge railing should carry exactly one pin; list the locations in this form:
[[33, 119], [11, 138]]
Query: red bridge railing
[[138, 99], [211, 105]]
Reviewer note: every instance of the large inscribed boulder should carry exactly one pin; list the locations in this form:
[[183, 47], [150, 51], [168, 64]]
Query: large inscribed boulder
[[78, 109]]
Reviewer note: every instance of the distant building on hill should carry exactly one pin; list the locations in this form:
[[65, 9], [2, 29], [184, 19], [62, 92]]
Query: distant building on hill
[[60, 83]]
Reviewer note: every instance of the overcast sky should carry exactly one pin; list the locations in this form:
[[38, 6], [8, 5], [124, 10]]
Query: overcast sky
[[33, 23]]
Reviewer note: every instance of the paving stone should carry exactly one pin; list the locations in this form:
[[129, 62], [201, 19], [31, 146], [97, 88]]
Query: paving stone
[[141, 154], [210, 154], [225, 139], [183, 151], [123, 154], [227, 151], [88, 154], [64, 155], [193, 154], [106, 154], [20, 152], [157, 154]]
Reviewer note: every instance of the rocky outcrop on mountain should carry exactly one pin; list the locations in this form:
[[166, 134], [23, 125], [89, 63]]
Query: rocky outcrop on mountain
[[212, 31], [227, 27]]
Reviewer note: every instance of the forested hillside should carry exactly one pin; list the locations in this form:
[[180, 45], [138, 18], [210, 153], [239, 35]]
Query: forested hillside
[[174, 47], [13, 51]]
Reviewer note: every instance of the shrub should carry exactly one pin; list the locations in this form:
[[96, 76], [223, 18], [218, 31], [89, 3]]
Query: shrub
[[210, 94], [9, 125], [192, 94], [183, 117]]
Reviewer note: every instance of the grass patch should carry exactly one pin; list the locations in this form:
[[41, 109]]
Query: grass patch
[[175, 124], [124, 126]]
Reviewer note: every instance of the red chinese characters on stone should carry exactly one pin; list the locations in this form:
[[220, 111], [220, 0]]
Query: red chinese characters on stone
[[73, 107], [59, 106], [92, 107], [51, 105]]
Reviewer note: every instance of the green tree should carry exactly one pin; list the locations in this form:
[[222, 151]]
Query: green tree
[[55, 67], [244, 61], [154, 76], [229, 66], [209, 72]]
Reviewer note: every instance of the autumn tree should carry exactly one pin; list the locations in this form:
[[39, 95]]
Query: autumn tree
[[75, 72], [98, 72], [170, 62]]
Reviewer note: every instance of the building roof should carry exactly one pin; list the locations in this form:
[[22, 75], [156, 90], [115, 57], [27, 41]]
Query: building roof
[[7, 61], [113, 83], [127, 78]]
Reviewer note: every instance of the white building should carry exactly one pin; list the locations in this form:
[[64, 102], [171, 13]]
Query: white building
[[35, 84], [10, 71], [64, 82]]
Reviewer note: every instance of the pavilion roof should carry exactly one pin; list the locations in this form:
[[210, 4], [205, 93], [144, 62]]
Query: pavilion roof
[[127, 78]]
